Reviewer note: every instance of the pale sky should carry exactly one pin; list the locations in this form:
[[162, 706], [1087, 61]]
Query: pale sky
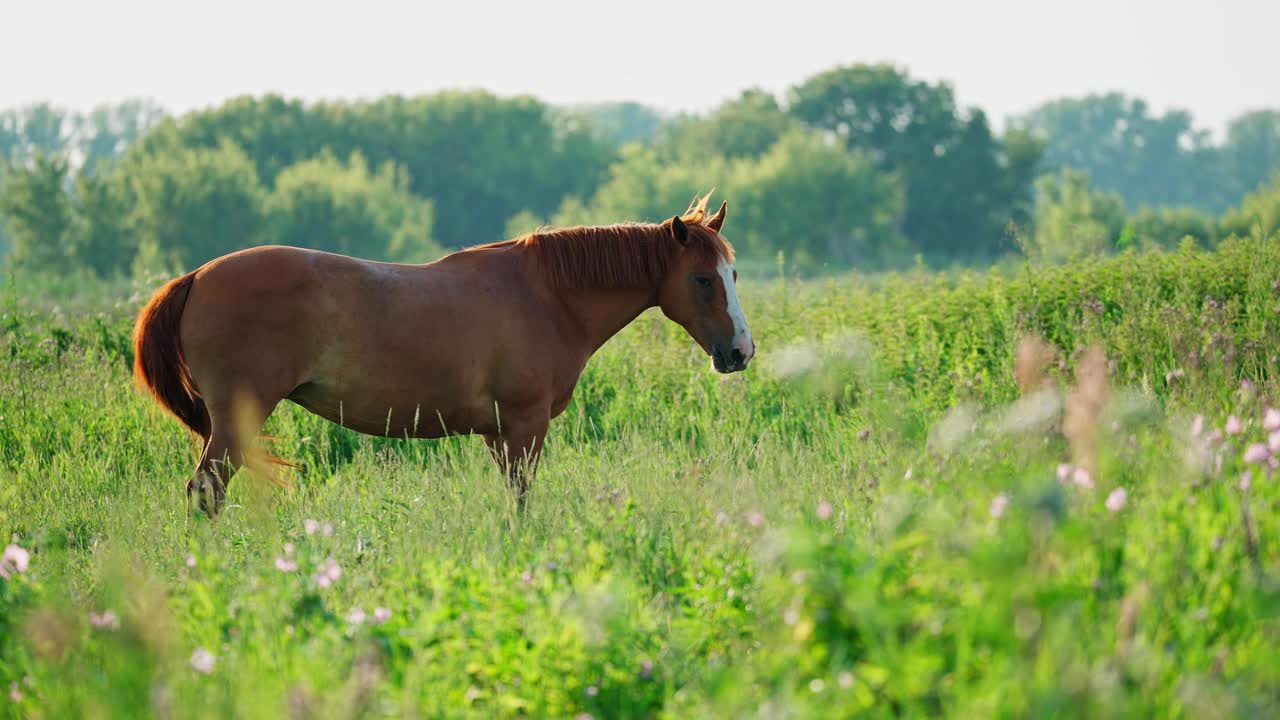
[[1214, 58]]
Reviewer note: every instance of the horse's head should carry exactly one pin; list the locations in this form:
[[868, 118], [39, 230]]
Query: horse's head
[[700, 291]]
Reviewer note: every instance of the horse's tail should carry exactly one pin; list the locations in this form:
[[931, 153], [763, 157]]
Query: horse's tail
[[159, 364]]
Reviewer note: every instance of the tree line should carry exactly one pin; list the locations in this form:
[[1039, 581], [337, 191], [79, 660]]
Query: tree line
[[860, 165]]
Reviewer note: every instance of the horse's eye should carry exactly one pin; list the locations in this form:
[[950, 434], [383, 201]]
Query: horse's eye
[[703, 281]]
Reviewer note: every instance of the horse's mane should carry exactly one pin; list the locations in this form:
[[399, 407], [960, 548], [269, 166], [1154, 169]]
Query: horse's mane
[[624, 255]]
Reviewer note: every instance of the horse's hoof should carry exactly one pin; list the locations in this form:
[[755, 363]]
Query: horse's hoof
[[209, 492]]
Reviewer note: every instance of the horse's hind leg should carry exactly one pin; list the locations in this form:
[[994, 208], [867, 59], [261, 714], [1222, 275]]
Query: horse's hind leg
[[234, 425]]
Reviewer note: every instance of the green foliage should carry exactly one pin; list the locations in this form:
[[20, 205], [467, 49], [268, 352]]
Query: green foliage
[[1072, 219], [477, 157], [1158, 160], [816, 537], [961, 188], [622, 122], [744, 127], [1167, 227], [817, 202], [36, 213], [1252, 149], [191, 205], [339, 207], [641, 188], [1258, 213]]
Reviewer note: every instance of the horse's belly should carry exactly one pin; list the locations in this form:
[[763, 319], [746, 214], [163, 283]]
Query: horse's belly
[[404, 416]]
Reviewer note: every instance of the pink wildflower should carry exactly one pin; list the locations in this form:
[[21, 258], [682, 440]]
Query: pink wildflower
[[1234, 426], [1064, 472], [1256, 453], [328, 573], [107, 620], [1082, 478], [286, 564], [755, 518], [15, 561], [356, 616], [381, 615], [1271, 420], [310, 526], [1197, 426], [824, 510], [1273, 442]]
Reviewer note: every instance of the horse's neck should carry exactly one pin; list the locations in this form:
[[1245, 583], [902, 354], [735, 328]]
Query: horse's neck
[[602, 313]]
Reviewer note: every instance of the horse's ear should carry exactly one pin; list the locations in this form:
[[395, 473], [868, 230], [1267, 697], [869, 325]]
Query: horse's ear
[[718, 219], [678, 230]]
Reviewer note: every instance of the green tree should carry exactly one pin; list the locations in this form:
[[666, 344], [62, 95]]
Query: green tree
[[109, 130], [621, 122], [1252, 149], [1166, 227], [339, 207], [1259, 211], [479, 158], [1073, 219], [745, 127], [37, 213], [961, 188], [817, 202], [101, 236], [1149, 159], [191, 205], [642, 188]]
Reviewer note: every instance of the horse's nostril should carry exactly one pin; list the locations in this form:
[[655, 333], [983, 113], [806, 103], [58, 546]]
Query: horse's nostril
[[736, 356]]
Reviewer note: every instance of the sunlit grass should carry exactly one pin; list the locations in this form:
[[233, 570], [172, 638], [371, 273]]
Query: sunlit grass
[[869, 521]]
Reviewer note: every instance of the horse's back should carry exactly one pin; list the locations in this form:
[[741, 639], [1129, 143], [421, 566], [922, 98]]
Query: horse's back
[[351, 338]]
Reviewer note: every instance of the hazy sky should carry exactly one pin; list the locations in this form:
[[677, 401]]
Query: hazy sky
[[1213, 58]]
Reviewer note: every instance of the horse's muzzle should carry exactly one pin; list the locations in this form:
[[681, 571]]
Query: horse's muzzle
[[728, 360]]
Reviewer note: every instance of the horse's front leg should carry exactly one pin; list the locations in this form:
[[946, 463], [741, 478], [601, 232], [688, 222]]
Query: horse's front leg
[[517, 449]]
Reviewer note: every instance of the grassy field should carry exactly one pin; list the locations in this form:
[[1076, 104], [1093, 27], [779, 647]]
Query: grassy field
[[908, 506]]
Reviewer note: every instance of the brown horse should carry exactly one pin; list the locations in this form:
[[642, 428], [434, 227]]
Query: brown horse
[[490, 340]]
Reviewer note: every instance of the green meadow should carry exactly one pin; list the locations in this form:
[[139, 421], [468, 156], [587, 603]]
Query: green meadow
[[1026, 492]]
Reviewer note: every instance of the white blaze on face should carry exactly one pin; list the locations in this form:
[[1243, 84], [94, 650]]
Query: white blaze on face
[[741, 333]]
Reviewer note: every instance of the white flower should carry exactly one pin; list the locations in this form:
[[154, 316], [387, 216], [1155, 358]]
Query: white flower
[[1197, 426], [998, 505], [356, 616], [202, 661], [1117, 499]]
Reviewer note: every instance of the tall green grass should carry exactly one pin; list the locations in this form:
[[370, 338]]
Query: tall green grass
[[869, 521]]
